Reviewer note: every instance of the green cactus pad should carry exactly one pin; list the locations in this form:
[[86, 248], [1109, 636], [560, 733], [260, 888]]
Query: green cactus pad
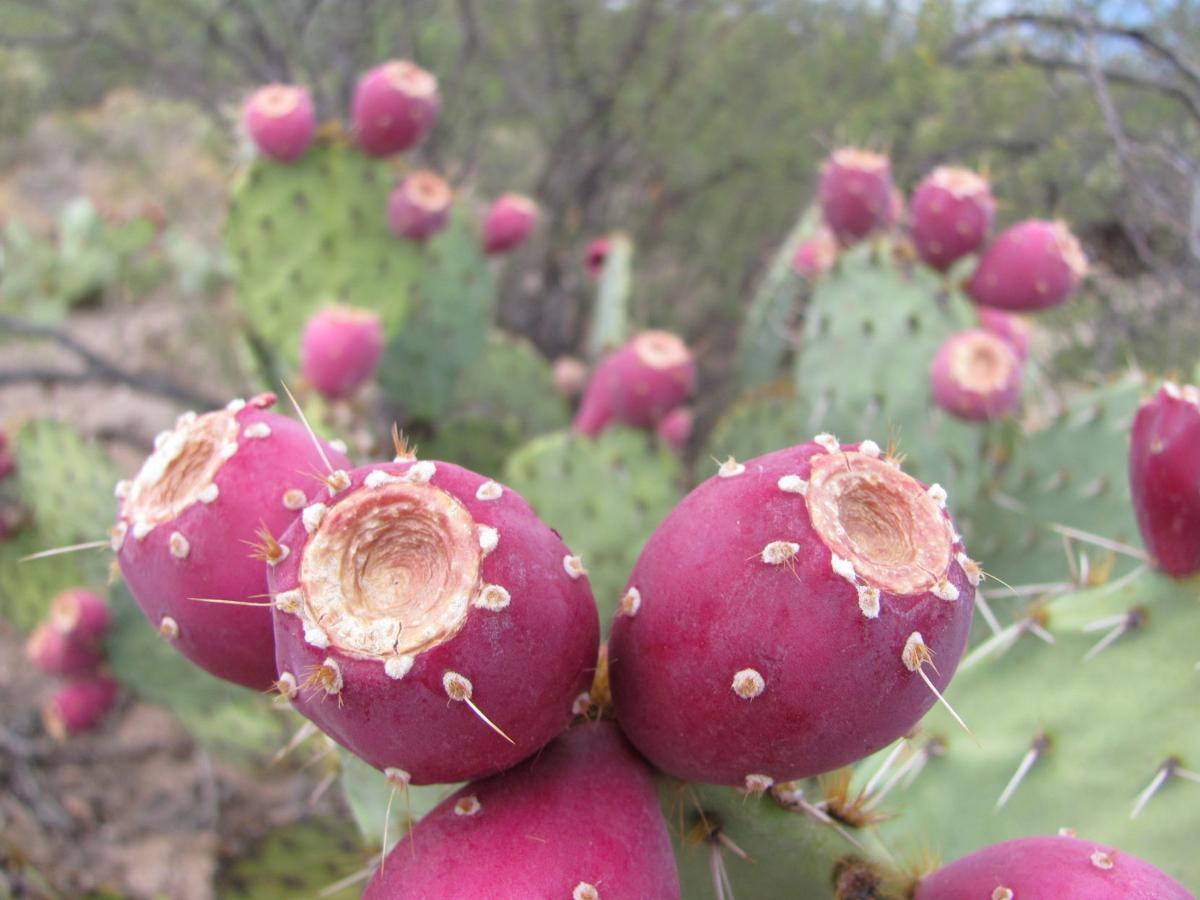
[[26, 588], [768, 419], [315, 232], [368, 794], [301, 860], [604, 495], [610, 317]]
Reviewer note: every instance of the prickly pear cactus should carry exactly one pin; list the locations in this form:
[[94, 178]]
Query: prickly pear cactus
[[315, 232], [870, 333], [604, 495], [610, 317], [270, 871], [371, 801], [764, 420]]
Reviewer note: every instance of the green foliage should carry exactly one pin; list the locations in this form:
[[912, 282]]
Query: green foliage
[[300, 860], [312, 233], [610, 317], [605, 496]]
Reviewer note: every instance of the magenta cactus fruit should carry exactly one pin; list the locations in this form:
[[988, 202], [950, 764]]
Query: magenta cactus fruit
[[1033, 265], [78, 706], [394, 107], [579, 822], [976, 376], [595, 256], [950, 216], [340, 349], [815, 256], [570, 376], [281, 121], [1164, 477], [419, 207], [1013, 329], [510, 220], [638, 384], [79, 612], [1049, 867], [786, 618], [675, 429], [856, 193], [8, 464], [429, 622], [200, 519], [61, 653]]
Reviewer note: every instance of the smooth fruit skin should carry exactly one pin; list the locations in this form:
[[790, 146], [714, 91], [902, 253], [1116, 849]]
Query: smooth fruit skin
[[816, 256], [62, 653], [79, 706], [281, 121], [675, 429], [1033, 265], [419, 207], [855, 193], [527, 662], [340, 350], [582, 813], [635, 386], [950, 216], [82, 613], [510, 220], [835, 687], [235, 643], [595, 256], [1014, 329], [1050, 868], [394, 107], [1164, 477], [964, 400]]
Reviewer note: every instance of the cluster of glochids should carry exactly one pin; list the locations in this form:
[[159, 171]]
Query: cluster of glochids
[[1033, 265], [795, 613], [69, 645]]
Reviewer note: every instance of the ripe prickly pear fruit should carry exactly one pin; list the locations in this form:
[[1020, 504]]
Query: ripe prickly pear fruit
[[595, 256], [675, 429], [419, 207], [78, 706], [200, 519], [1164, 477], [1032, 265], [856, 193], [816, 256], [510, 220], [1013, 329], [570, 376], [950, 216], [61, 653], [429, 622], [786, 617], [394, 107], [580, 821], [340, 349], [79, 612], [281, 121], [638, 384], [976, 376], [1049, 867]]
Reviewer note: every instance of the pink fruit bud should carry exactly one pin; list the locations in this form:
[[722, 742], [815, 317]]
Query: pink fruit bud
[[394, 107], [8, 464], [951, 216], [1013, 329], [1049, 867], [340, 349], [580, 821], [782, 621], [1032, 265], [510, 220], [1164, 477], [638, 384], [856, 193], [816, 256], [570, 376], [976, 376], [676, 428], [78, 706], [595, 256], [81, 613], [419, 207], [429, 622], [200, 520], [62, 653], [281, 121]]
